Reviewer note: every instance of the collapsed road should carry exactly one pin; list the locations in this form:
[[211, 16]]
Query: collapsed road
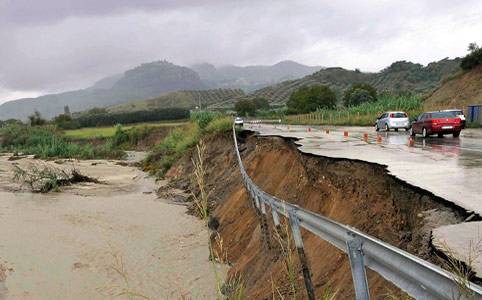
[[449, 168]]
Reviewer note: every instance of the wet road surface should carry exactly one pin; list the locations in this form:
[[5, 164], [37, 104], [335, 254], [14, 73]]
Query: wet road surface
[[448, 167]]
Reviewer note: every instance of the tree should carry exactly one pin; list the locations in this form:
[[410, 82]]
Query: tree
[[359, 93], [67, 111], [307, 99], [261, 103], [245, 107], [473, 59], [36, 119]]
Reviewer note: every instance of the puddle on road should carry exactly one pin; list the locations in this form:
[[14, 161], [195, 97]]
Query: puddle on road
[[96, 241]]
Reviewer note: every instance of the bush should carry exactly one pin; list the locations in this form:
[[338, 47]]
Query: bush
[[174, 145], [120, 136], [203, 118], [36, 119], [308, 99], [473, 59], [46, 142], [359, 93], [220, 125]]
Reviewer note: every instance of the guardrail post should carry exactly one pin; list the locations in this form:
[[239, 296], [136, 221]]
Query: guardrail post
[[295, 229], [264, 226], [355, 253]]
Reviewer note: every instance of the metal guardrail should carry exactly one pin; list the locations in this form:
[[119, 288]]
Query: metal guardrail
[[417, 277]]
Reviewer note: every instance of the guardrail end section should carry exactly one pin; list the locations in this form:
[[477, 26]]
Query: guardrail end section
[[357, 265]]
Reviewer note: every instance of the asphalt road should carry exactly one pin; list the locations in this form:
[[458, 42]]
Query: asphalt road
[[448, 167]]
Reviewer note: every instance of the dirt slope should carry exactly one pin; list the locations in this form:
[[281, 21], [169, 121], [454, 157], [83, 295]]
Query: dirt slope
[[355, 193], [459, 92]]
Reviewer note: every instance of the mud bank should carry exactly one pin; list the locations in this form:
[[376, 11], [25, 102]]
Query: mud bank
[[352, 192], [110, 240]]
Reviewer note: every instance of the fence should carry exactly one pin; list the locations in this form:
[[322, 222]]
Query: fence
[[418, 278]]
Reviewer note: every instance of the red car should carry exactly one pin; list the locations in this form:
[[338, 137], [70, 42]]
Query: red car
[[437, 122]]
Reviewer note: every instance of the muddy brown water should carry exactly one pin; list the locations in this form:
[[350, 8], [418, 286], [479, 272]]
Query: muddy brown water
[[113, 240]]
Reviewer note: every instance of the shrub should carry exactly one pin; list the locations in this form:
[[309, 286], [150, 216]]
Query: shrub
[[261, 103], [120, 136], [220, 125], [473, 59], [46, 142], [36, 119], [359, 93], [203, 118], [308, 99]]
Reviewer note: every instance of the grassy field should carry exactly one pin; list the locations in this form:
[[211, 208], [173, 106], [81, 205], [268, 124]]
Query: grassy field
[[107, 132]]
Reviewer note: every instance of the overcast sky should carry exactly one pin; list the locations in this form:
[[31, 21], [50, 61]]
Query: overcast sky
[[55, 45]]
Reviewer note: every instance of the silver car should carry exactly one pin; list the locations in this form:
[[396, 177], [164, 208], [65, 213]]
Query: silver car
[[238, 121], [392, 120]]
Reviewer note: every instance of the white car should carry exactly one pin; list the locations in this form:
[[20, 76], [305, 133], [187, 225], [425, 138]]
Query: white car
[[392, 120], [458, 113], [238, 121]]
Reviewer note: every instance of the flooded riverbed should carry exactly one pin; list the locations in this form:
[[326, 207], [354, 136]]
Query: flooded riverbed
[[113, 240]]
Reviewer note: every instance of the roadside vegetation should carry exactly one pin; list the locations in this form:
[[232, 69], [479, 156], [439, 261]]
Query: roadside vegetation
[[184, 138], [363, 114], [48, 142]]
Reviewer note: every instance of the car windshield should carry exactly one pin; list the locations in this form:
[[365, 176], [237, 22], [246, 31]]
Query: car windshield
[[442, 114], [456, 112], [398, 115]]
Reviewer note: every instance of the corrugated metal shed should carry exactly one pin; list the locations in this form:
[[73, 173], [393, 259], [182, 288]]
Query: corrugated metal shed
[[474, 113]]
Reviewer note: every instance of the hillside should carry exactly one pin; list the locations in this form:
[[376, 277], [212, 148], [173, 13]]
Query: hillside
[[458, 92], [182, 99], [145, 81], [399, 77], [250, 78]]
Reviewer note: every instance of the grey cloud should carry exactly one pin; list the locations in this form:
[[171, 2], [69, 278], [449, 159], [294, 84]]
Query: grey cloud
[[53, 45]]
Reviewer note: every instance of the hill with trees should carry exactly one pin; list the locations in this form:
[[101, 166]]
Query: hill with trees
[[464, 87], [145, 81], [400, 78], [183, 99]]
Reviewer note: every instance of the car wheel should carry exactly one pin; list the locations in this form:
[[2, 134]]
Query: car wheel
[[396, 129], [456, 134], [376, 127], [424, 132], [412, 133], [440, 135], [387, 128], [407, 129]]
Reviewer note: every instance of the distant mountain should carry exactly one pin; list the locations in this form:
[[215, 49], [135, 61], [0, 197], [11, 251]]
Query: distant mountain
[[250, 78], [399, 77], [145, 81]]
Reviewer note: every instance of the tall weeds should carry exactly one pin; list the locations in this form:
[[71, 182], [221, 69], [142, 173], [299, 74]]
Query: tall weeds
[[217, 252]]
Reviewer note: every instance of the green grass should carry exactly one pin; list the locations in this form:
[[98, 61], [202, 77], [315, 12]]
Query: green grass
[[108, 132], [362, 115]]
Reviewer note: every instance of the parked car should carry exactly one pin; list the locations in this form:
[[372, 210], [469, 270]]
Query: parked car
[[238, 121], [392, 120], [458, 113], [437, 122]]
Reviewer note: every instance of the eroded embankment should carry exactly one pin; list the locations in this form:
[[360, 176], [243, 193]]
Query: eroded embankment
[[352, 192]]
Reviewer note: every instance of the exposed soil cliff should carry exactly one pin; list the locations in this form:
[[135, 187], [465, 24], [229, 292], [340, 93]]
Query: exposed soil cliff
[[355, 193]]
